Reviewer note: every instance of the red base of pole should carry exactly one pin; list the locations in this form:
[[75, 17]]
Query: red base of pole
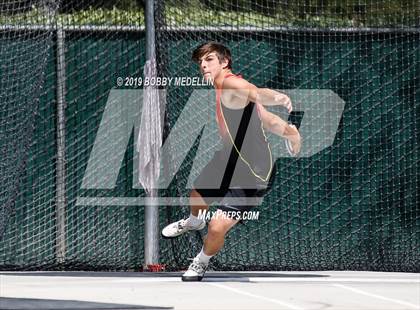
[[155, 268]]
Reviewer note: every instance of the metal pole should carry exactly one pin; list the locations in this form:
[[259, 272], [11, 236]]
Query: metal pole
[[61, 150], [151, 212]]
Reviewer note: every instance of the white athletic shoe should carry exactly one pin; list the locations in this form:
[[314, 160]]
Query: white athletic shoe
[[195, 271], [178, 228]]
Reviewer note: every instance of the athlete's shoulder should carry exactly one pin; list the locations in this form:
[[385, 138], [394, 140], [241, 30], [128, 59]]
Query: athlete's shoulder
[[236, 82]]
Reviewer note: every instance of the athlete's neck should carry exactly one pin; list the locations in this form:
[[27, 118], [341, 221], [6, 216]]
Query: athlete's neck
[[218, 81]]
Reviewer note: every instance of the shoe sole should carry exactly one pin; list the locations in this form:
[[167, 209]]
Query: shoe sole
[[192, 279], [173, 237]]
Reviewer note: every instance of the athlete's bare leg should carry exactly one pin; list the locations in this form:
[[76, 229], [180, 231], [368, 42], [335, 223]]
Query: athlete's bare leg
[[217, 228], [213, 242], [216, 232], [197, 203]]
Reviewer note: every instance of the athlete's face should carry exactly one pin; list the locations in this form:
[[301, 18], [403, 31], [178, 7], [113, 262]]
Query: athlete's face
[[210, 66]]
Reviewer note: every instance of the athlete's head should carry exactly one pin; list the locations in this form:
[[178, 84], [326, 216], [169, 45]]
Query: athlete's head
[[213, 58]]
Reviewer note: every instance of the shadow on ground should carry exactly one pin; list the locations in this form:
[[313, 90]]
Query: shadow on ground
[[53, 304]]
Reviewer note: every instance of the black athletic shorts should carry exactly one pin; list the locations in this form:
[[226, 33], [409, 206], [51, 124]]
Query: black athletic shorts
[[233, 186]]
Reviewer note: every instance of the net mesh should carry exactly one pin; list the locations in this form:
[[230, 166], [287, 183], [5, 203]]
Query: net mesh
[[97, 49], [352, 205], [25, 125]]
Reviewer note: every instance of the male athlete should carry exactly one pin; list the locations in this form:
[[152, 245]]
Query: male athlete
[[243, 169]]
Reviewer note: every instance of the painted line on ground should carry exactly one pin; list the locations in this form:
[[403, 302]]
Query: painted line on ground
[[238, 291], [355, 290]]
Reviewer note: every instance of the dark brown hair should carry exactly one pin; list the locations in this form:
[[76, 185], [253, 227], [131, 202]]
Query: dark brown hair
[[222, 52]]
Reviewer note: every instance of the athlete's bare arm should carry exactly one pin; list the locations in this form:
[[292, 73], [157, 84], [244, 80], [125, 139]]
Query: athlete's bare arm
[[276, 125], [240, 92], [246, 91]]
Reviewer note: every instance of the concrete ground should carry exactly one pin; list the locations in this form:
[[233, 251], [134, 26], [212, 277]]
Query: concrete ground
[[218, 290]]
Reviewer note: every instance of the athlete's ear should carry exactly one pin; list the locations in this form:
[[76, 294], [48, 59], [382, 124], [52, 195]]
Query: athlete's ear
[[224, 63]]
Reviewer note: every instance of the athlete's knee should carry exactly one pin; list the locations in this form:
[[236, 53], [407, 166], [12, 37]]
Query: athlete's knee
[[214, 231], [217, 229]]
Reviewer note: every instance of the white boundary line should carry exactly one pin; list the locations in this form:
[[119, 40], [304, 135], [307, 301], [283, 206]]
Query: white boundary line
[[355, 290], [276, 301]]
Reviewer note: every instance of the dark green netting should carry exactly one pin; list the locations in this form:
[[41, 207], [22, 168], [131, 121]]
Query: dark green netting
[[355, 204]]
